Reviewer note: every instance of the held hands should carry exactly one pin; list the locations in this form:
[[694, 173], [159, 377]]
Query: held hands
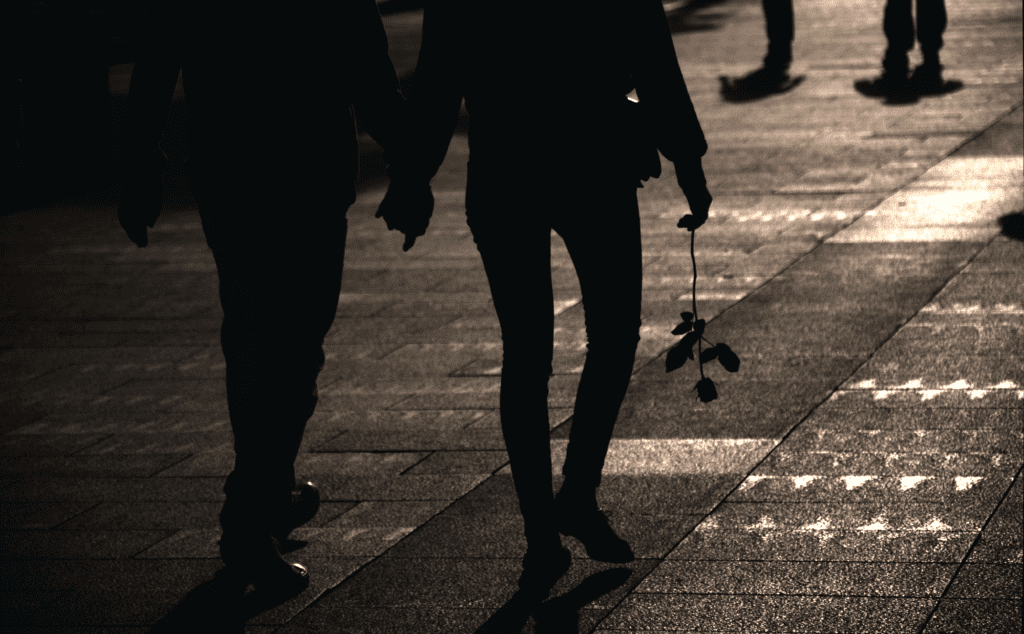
[[141, 197], [690, 176], [407, 207]]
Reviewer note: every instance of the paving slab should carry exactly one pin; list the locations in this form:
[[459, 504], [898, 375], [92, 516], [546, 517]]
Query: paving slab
[[769, 613], [975, 615]]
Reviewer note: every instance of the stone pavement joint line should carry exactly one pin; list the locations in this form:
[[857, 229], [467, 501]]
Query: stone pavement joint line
[[861, 473]]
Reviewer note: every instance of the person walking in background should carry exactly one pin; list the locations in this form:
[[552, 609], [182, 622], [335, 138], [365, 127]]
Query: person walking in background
[[553, 145], [899, 31], [778, 23], [273, 159], [773, 76], [899, 26]]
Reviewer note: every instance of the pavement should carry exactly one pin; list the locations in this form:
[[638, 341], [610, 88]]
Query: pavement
[[860, 473]]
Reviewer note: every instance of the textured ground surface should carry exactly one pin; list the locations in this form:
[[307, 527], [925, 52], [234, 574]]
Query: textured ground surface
[[861, 473]]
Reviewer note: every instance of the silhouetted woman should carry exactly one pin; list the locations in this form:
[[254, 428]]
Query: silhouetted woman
[[551, 147]]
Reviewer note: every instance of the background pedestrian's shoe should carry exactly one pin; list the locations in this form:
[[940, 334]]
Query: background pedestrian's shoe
[[257, 560], [587, 523], [893, 86], [882, 85], [927, 79], [302, 507]]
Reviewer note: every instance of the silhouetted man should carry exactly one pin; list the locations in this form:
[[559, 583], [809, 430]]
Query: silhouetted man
[[272, 162]]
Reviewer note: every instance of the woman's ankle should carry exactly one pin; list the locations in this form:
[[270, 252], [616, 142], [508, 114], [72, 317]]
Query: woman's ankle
[[575, 494]]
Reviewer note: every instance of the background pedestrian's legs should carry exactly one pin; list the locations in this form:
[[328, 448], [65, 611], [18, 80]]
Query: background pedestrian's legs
[[778, 19], [603, 240], [898, 24], [931, 24]]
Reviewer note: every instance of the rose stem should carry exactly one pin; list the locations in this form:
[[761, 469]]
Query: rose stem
[[693, 259]]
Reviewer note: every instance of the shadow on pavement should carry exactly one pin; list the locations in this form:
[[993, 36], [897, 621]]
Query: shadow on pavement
[[213, 605], [683, 17], [1013, 225], [219, 605], [759, 84], [903, 93], [558, 615]]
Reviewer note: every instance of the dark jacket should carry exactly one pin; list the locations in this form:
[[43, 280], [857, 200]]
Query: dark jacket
[[270, 89], [542, 77]]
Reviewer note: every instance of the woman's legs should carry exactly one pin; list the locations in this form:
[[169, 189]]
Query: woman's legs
[[602, 233], [604, 244], [603, 238], [515, 246]]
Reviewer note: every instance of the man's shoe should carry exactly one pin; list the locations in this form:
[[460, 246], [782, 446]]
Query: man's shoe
[[883, 85], [893, 86], [590, 526], [258, 561], [542, 568], [302, 507]]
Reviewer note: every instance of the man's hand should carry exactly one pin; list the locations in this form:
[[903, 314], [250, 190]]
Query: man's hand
[[407, 207], [690, 176], [141, 197]]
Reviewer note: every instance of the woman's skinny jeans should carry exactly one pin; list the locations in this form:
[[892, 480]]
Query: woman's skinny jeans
[[601, 229]]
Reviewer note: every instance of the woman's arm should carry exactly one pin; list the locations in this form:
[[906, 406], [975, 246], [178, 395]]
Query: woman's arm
[[659, 82], [439, 81], [373, 84], [435, 100], [663, 93]]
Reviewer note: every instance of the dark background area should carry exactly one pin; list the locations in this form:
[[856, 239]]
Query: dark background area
[[68, 74], [67, 79]]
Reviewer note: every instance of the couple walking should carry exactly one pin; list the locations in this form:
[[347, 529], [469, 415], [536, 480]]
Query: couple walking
[[554, 144]]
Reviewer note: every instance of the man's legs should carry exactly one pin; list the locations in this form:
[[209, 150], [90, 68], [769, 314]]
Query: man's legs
[[603, 240], [279, 288]]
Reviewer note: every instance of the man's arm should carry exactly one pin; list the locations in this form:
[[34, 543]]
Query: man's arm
[[373, 84], [439, 85], [154, 77]]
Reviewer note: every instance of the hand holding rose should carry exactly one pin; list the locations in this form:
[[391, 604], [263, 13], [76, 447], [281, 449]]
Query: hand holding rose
[[690, 175]]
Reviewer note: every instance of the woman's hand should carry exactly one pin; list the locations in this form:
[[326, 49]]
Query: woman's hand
[[407, 207], [690, 175]]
